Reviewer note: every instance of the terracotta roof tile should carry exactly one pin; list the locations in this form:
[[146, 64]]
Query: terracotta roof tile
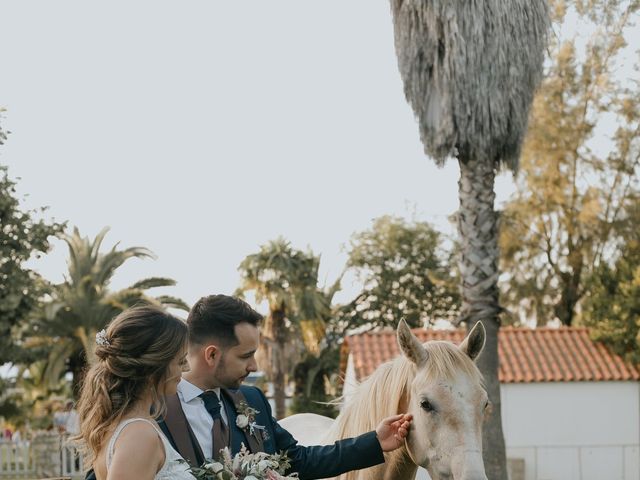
[[564, 354]]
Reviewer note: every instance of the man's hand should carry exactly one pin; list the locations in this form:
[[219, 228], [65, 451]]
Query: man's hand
[[392, 431]]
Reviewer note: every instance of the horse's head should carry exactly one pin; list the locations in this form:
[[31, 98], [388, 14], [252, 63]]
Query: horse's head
[[448, 403]]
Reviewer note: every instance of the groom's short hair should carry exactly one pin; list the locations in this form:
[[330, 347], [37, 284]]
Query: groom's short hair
[[215, 317]]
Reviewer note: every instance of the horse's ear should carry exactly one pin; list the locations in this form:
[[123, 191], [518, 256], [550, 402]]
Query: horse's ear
[[410, 345], [474, 343]]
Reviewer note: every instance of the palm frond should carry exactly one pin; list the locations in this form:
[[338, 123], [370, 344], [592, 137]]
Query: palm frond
[[153, 282], [97, 243], [334, 288], [173, 302], [470, 70], [110, 262], [125, 298]]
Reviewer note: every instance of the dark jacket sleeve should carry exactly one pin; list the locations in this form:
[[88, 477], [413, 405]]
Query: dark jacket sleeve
[[91, 475], [324, 461]]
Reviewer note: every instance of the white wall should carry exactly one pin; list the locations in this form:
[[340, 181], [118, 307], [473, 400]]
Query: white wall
[[350, 382], [574, 431]]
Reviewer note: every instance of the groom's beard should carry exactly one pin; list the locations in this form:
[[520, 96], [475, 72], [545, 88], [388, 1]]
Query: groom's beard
[[226, 379]]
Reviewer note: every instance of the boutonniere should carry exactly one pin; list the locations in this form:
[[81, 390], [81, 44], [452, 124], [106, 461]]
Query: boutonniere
[[246, 419]]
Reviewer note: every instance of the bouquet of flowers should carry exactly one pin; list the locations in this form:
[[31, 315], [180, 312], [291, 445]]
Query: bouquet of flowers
[[245, 466]]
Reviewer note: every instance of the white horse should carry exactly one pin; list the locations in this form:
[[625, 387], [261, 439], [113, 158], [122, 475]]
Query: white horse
[[438, 383]]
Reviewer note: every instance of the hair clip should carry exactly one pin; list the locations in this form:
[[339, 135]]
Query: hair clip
[[101, 338]]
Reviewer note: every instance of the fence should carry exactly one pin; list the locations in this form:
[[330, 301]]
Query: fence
[[15, 460], [46, 456]]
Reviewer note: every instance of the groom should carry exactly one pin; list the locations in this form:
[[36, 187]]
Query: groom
[[212, 409]]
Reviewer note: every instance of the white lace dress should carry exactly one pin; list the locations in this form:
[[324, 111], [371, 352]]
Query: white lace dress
[[174, 466]]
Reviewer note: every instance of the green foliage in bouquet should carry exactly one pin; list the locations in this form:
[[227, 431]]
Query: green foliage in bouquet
[[246, 466]]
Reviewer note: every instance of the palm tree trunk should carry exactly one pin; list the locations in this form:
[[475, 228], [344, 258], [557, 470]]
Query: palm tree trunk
[[478, 230], [87, 338], [78, 368], [84, 360], [278, 360]]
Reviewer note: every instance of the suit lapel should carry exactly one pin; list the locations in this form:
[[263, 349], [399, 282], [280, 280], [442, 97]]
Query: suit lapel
[[184, 438], [255, 442]]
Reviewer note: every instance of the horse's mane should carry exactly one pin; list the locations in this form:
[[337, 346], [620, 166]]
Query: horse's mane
[[381, 394]]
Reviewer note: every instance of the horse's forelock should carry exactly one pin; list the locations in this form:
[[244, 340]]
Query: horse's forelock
[[447, 361]]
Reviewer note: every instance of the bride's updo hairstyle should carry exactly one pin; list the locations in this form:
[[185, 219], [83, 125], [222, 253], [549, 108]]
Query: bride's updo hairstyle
[[133, 356]]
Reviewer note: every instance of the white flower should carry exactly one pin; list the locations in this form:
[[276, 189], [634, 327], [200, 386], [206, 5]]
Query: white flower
[[250, 477], [226, 455], [263, 465], [237, 462], [215, 467], [242, 421]]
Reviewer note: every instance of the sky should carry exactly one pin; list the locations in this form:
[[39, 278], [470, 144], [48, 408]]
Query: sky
[[203, 129]]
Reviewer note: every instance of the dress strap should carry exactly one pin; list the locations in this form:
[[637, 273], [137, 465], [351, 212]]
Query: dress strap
[[118, 431]]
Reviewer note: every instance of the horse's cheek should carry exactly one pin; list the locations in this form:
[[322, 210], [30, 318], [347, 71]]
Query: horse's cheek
[[423, 431]]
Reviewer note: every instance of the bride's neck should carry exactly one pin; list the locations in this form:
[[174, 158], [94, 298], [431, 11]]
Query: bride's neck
[[141, 408]]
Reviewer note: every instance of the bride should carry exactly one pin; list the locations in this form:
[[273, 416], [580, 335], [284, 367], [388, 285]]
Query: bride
[[141, 356]]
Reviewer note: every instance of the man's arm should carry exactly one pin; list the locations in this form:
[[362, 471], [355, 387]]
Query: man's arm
[[324, 461]]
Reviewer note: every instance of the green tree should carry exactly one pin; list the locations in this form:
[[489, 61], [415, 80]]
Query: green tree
[[22, 237], [84, 304], [405, 273], [469, 71], [564, 220], [10, 401], [612, 303], [30, 392], [317, 381], [298, 309]]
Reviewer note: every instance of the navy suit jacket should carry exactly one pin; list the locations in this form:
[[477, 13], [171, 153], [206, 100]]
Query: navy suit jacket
[[311, 462]]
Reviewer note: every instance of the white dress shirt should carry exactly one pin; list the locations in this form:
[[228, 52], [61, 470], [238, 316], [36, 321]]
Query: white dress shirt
[[199, 419]]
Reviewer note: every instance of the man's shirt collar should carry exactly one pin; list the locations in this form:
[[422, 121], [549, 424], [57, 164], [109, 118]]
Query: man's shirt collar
[[188, 391]]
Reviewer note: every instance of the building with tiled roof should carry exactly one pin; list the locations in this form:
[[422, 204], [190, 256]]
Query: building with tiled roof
[[526, 355], [570, 407]]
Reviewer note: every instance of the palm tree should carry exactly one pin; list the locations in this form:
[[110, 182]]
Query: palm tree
[[288, 280], [37, 386], [469, 71], [83, 304]]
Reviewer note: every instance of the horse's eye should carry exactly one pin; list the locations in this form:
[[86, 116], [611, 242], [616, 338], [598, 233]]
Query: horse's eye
[[427, 406]]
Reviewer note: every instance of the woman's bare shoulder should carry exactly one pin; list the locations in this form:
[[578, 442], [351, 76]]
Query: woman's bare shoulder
[[140, 435], [138, 451]]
